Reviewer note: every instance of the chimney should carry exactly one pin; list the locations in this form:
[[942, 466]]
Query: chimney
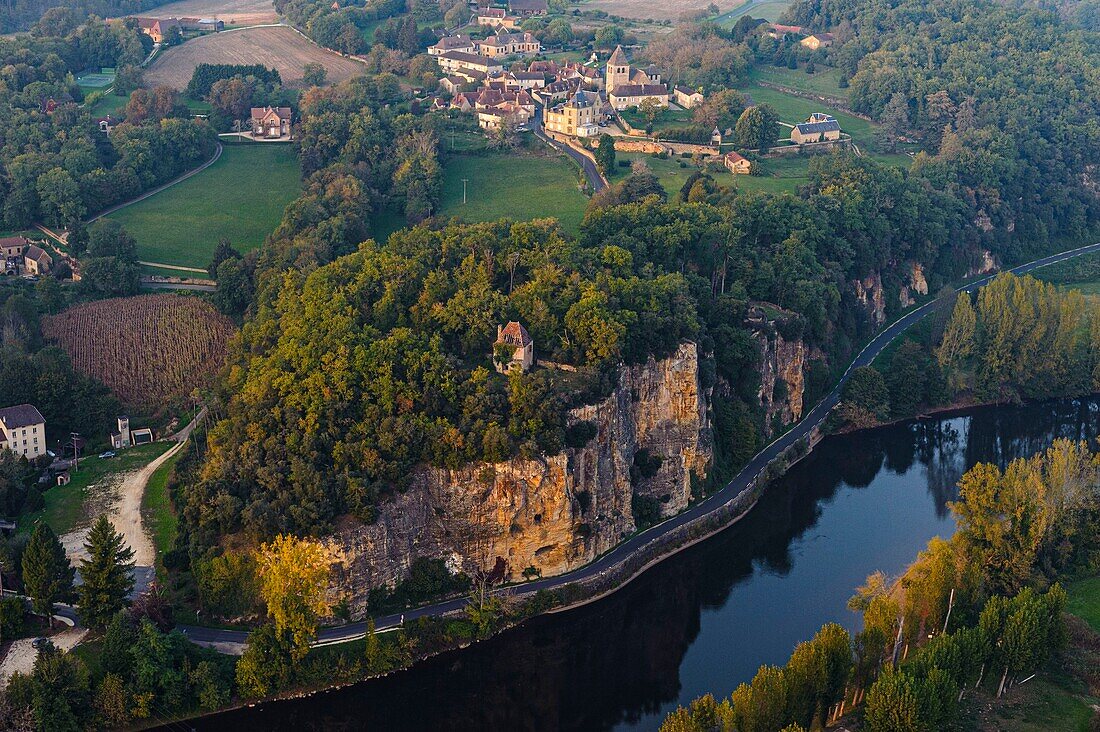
[[500, 329]]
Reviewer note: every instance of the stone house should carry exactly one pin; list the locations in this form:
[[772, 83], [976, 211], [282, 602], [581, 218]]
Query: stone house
[[629, 87], [579, 116], [686, 97], [509, 44], [819, 128], [526, 8], [36, 261], [271, 123], [514, 336], [23, 431], [462, 63], [817, 40], [736, 163], [463, 44]]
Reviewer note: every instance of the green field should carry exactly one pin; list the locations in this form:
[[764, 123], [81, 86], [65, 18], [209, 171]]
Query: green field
[[65, 503], [793, 110], [668, 171], [1084, 601], [515, 186], [780, 175], [108, 104], [765, 9], [156, 507], [824, 81], [241, 197]]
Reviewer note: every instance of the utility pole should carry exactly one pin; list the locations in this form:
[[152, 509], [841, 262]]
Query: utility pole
[[464, 181], [76, 450]]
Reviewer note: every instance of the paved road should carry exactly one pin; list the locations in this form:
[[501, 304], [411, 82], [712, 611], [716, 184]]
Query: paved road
[[742, 482], [595, 180], [158, 189]]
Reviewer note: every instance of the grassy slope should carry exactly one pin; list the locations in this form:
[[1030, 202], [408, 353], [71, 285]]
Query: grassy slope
[[1084, 601], [242, 197], [824, 81], [64, 504], [518, 186], [156, 507]]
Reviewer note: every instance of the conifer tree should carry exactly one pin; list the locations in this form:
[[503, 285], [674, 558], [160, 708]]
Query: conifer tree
[[47, 574], [107, 574]]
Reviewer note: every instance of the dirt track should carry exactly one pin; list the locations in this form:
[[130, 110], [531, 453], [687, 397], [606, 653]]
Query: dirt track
[[281, 48], [233, 12]]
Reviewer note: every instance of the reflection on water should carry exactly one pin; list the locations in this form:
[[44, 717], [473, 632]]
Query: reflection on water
[[707, 618]]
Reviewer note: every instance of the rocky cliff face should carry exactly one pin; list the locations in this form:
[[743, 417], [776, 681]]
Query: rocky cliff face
[[870, 295], [553, 513], [917, 285], [781, 362]]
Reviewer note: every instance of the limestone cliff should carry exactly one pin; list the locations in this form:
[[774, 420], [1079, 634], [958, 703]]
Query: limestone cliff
[[556, 512], [870, 295], [917, 285], [782, 362]]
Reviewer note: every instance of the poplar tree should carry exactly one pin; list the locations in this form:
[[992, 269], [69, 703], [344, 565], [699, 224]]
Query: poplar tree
[[47, 574], [958, 336], [107, 575]]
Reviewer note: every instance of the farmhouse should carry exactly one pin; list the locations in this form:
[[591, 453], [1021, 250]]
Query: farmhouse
[[465, 64], [23, 431], [106, 124], [202, 25], [36, 261], [686, 97], [13, 246], [817, 40], [515, 338], [465, 44], [509, 44], [527, 8], [270, 122], [158, 28], [579, 116], [629, 87], [819, 128], [496, 18], [779, 32], [736, 163]]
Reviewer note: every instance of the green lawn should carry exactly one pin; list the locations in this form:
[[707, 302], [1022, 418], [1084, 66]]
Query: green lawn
[[156, 507], [241, 197], [109, 104], [767, 10], [780, 175], [517, 186], [793, 110], [824, 80], [1084, 601], [64, 504], [668, 171]]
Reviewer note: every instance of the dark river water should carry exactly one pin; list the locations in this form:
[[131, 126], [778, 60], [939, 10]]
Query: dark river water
[[706, 619]]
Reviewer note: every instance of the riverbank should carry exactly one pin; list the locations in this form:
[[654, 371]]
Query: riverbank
[[706, 618]]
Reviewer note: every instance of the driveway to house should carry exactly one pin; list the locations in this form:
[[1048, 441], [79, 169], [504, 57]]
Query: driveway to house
[[22, 654], [595, 180], [158, 189], [230, 640]]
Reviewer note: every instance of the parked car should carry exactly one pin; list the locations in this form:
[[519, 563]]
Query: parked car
[[39, 642], [108, 454]]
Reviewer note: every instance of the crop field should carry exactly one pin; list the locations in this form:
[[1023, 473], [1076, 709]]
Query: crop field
[[240, 197], [520, 187], [149, 350], [765, 9], [233, 12], [280, 48]]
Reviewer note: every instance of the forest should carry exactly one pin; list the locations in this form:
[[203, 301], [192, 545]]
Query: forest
[[56, 166]]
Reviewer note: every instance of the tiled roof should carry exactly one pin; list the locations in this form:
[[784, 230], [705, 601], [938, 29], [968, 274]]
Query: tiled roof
[[514, 334], [25, 415], [640, 90], [618, 58], [813, 128]]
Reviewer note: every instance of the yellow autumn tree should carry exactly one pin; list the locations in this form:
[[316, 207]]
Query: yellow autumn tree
[[294, 578]]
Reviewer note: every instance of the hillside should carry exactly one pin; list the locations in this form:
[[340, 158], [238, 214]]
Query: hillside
[[281, 48]]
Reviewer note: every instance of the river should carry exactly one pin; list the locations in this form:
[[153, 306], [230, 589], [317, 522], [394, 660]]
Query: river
[[706, 619]]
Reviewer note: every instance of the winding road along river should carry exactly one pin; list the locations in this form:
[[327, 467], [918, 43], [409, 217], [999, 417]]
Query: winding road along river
[[703, 620]]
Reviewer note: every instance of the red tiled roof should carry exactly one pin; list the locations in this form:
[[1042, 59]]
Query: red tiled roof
[[514, 334]]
